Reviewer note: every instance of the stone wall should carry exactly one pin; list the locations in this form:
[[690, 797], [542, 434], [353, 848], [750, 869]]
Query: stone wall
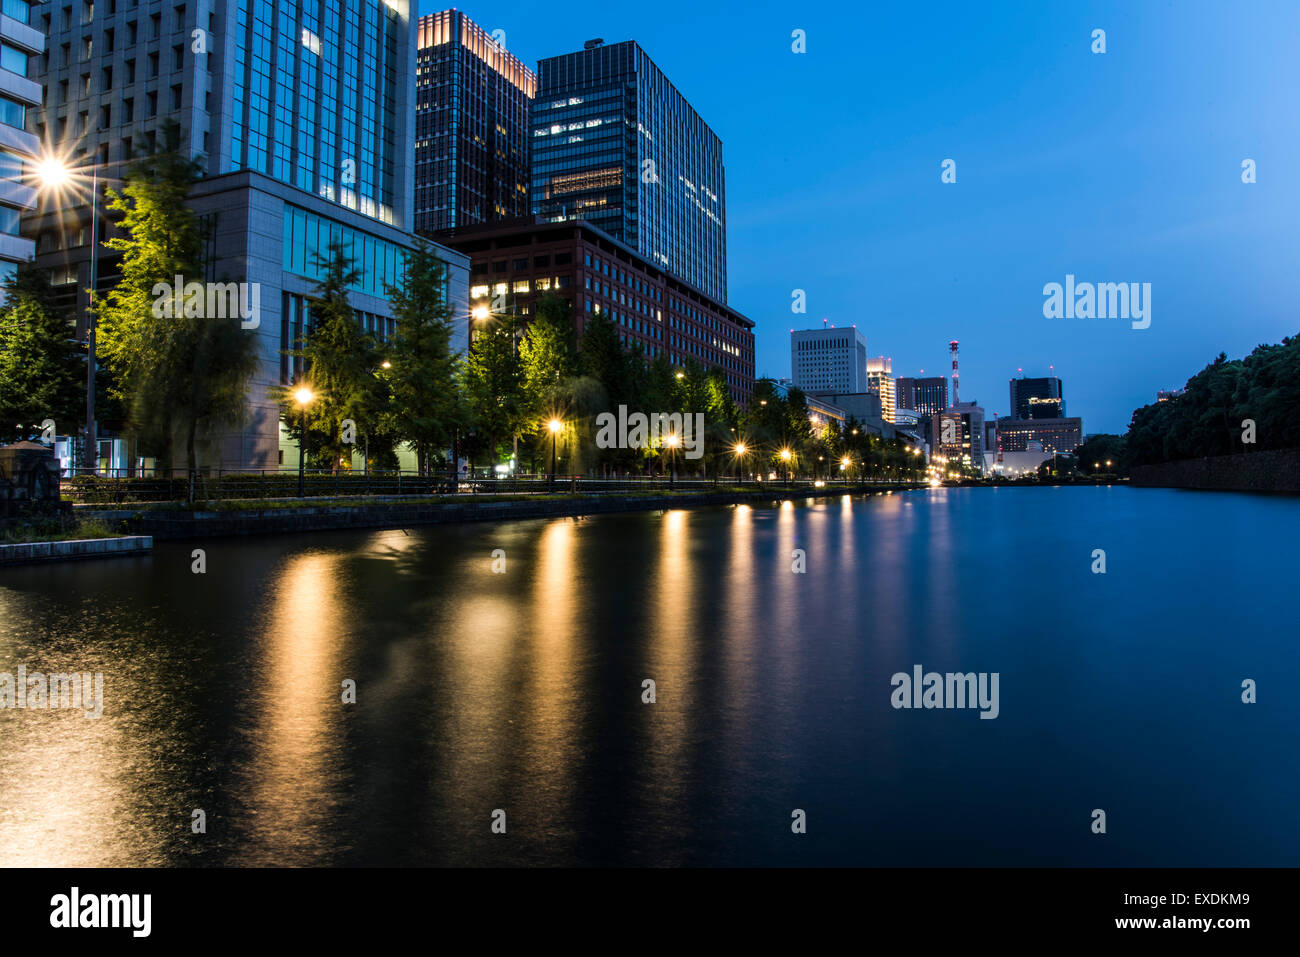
[[1275, 471]]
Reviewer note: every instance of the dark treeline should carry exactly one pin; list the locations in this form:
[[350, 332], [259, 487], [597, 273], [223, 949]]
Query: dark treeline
[[1231, 406]]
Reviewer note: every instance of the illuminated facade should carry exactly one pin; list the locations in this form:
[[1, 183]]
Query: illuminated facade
[[926, 395], [300, 114], [512, 265], [1061, 436], [880, 380], [958, 434], [615, 144], [829, 360], [472, 101], [1037, 398]]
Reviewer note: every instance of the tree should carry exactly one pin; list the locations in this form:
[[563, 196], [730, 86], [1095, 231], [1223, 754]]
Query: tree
[[342, 361], [1099, 450], [181, 374], [423, 370], [493, 383], [42, 368]]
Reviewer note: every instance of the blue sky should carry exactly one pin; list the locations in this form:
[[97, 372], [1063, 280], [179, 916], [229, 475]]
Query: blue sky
[[1115, 167]]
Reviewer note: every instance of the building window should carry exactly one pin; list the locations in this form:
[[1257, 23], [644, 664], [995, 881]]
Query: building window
[[13, 59]]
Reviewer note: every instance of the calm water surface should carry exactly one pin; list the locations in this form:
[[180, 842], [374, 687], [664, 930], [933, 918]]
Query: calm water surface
[[522, 691]]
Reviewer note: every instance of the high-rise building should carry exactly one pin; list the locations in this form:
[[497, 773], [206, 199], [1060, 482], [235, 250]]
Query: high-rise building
[[614, 143], [1037, 398], [20, 40], [300, 114], [926, 395], [959, 434], [472, 100], [880, 380], [514, 264], [832, 359]]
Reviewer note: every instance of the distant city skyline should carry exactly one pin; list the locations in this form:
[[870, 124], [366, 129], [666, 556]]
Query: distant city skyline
[[1115, 167]]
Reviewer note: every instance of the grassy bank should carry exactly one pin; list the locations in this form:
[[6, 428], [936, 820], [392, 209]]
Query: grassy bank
[[58, 530]]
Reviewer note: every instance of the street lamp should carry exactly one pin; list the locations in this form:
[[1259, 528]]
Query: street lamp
[[844, 467], [672, 441], [740, 461], [304, 396], [785, 458], [554, 425], [54, 174], [480, 312]]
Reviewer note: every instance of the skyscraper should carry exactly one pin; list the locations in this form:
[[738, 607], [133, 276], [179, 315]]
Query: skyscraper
[[301, 115], [19, 41], [880, 380], [1040, 398], [614, 143], [472, 101], [926, 395], [829, 360]]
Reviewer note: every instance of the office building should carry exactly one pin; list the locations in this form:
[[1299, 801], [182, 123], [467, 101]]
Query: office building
[[959, 434], [615, 144], [829, 360], [20, 41], [880, 380], [472, 102], [925, 395], [1061, 436], [1037, 398], [514, 264], [301, 116]]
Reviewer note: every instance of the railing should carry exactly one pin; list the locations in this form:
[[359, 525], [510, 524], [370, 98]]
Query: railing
[[118, 487]]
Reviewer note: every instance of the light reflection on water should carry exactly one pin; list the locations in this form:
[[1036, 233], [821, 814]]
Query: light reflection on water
[[522, 691]]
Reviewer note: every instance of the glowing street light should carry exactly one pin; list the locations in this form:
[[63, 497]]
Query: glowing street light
[[785, 458], [304, 397], [844, 467], [480, 312], [740, 459], [672, 440], [54, 174], [555, 425]]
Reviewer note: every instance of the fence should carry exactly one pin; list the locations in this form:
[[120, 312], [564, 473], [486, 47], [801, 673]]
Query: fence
[[120, 488]]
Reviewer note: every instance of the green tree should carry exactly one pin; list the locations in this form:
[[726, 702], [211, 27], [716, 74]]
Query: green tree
[[494, 384], [42, 368], [342, 361], [181, 375], [423, 370]]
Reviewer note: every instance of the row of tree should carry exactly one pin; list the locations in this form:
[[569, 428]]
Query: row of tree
[[1231, 406], [180, 380]]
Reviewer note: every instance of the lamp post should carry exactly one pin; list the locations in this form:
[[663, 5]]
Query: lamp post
[[55, 174], [740, 461], [671, 440], [304, 396], [785, 458], [844, 467], [554, 425]]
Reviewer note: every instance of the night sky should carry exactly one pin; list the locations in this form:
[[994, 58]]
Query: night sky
[[1117, 167]]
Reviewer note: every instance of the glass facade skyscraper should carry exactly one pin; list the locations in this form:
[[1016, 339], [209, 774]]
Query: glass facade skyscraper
[[471, 126], [301, 115], [615, 143]]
